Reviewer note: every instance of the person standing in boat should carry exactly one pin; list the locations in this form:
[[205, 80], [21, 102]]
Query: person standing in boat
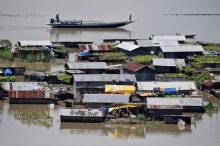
[[57, 17], [130, 17]]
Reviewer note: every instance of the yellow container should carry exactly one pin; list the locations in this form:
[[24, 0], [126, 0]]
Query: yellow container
[[120, 89]]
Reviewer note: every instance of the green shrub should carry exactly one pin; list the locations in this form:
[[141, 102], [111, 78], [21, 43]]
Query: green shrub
[[6, 53], [210, 107], [141, 118], [64, 77]]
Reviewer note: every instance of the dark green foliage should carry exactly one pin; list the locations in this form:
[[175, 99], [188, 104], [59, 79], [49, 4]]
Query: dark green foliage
[[6, 53]]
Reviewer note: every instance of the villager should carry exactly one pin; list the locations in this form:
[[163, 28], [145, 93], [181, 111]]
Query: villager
[[130, 17], [57, 17]]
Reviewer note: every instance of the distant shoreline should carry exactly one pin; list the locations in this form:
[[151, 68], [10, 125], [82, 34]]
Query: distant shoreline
[[191, 14]]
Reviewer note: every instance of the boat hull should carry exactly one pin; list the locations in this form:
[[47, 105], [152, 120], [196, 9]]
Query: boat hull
[[81, 119], [105, 25]]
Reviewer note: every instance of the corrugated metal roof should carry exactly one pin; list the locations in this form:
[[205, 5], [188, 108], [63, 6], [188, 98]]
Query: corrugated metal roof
[[179, 85], [72, 57], [163, 103], [182, 48], [87, 65], [104, 77], [19, 86], [25, 43], [165, 42], [168, 62], [169, 37], [127, 46], [133, 66], [106, 98], [75, 71], [145, 43], [191, 101], [94, 47], [217, 77], [81, 112]]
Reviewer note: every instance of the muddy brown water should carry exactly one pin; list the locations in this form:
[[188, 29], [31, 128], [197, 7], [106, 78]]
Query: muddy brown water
[[17, 131], [27, 19]]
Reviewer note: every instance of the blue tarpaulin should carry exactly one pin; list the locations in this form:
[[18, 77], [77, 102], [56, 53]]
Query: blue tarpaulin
[[84, 53], [7, 72], [170, 91], [217, 53], [45, 48]]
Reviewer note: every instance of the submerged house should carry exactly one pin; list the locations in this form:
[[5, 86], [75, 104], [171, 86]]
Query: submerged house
[[167, 65], [81, 115], [127, 48], [96, 48], [95, 83], [142, 72], [192, 105], [181, 51], [101, 100], [87, 67], [13, 70], [157, 107], [178, 38], [34, 47], [143, 47], [185, 87], [28, 92]]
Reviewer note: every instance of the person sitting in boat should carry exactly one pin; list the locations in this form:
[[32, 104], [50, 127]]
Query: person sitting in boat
[[57, 17]]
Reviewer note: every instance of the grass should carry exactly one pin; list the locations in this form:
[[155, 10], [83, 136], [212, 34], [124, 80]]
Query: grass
[[143, 58], [212, 47], [34, 118], [36, 57], [32, 115], [7, 78], [195, 77], [64, 77], [109, 56], [178, 75], [207, 59]]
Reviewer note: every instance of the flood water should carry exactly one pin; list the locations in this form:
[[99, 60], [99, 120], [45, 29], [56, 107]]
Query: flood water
[[27, 19], [16, 131]]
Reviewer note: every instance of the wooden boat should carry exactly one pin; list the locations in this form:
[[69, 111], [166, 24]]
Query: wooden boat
[[57, 23], [81, 115]]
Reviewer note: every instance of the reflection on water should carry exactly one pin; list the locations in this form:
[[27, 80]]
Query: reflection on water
[[57, 133], [68, 34], [122, 131], [37, 115]]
